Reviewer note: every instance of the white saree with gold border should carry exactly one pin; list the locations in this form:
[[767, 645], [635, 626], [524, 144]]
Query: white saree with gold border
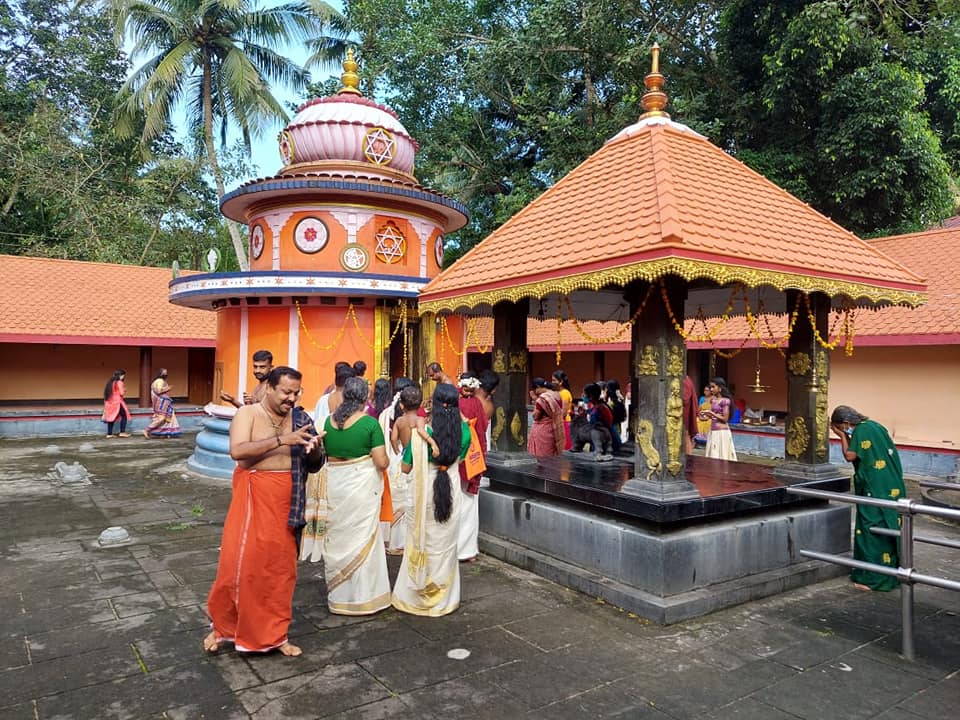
[[343, 530], [394, 532], [429, 579]]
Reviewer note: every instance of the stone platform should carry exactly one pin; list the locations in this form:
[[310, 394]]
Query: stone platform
[[567, 518]]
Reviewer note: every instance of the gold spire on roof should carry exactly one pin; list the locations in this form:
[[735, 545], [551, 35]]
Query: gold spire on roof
[[350, 78], [654, 100]]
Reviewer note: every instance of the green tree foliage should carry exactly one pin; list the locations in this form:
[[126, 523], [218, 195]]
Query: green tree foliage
[[829, 102], [852, 106], [507, 98], [219, 58], [69, 187]]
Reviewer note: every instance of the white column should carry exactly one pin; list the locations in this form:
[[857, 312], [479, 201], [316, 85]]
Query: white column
[[276, 221], [293, 340], [242, 368]]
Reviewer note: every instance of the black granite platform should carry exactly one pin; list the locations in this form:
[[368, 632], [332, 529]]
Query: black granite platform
[[725, 488]]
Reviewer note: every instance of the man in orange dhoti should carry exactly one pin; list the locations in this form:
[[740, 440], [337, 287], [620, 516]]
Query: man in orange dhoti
[[275, 446]]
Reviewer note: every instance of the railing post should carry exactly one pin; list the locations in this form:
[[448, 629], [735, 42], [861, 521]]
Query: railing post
[[906, 584]]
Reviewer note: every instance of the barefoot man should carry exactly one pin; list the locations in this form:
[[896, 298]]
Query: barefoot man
[[275, 446]]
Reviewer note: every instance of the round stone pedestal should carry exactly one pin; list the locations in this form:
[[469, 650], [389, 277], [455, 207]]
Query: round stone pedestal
[[211, 456]]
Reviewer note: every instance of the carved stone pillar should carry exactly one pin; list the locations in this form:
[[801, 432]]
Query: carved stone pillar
[[806, 441], [658, 360], [511, 363]]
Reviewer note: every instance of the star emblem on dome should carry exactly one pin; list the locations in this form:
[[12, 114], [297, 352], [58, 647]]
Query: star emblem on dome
[[391, 245], [379, 146]]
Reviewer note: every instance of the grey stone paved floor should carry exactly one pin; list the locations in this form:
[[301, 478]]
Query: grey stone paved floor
[[90, 632]]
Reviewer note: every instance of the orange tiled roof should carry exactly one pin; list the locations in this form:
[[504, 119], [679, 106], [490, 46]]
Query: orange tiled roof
[[933, 253], [659, 198], [66, 301]]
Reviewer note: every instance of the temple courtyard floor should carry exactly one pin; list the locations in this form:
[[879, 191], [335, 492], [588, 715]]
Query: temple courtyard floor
[[115, 632]]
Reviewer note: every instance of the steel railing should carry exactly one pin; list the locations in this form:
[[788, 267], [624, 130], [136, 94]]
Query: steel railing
[[906, 573]]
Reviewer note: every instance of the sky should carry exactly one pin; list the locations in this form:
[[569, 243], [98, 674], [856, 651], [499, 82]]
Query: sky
[[265, 155]]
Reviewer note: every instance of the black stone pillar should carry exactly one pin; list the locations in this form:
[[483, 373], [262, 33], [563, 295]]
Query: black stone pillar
[[659, 363], [806, 439], [511, 361]]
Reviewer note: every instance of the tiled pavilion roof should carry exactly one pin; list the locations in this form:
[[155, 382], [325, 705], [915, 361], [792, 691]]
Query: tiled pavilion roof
[[660, 199], [69, 302], [933, 253]]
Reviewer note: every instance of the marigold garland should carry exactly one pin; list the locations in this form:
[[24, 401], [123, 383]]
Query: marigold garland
[[472, 333], [351, 313], [613, 338]]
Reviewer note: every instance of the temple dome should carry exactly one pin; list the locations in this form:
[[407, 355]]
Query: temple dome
[[347, 129]]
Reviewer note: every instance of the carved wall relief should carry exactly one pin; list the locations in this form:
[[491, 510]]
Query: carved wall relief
[[649, 363], [798, 439], [644, 438], [675, 361], [674, 426]]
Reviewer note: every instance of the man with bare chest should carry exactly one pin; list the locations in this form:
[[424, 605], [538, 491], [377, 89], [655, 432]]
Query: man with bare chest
[[275, 446]]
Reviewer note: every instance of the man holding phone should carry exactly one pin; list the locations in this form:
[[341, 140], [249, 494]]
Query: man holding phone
[[275, 446]]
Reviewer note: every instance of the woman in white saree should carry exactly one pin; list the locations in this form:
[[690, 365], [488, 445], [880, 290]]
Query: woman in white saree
[[429, 579], [343, 509]]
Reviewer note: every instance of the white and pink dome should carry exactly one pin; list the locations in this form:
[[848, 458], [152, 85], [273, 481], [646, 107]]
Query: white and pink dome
[[347, 128]]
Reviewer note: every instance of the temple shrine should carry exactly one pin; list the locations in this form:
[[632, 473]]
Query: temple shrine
[[340, 242], [664, 223]]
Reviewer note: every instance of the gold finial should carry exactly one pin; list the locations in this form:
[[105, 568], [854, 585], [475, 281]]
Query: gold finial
[[350, 78], [654, 100]]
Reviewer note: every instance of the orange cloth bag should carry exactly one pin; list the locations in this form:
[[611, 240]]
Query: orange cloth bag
[[474, 463]]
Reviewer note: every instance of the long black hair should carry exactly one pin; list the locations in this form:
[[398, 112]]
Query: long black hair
[[447, 432], [355, 394], [561, 379], [381, 395], [108, 388], [724, 390]]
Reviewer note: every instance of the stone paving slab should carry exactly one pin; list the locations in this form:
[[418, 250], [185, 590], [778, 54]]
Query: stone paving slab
[[90, 632]]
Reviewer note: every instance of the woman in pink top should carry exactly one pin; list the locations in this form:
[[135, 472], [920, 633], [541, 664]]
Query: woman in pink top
[[720, 440], [114, 408]]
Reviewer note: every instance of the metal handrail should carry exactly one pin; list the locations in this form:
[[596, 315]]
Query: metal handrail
[[928, 539], [940, 485], [906, 574]]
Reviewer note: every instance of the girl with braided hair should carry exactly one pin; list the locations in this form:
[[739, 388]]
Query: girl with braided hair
[[429, 579]]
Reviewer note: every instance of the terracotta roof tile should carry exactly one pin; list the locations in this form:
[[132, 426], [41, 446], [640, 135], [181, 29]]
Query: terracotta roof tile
[[660, 190], [48, 300], [933, 253]]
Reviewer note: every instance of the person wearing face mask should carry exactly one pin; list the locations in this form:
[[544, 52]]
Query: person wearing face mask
[[877, 473]]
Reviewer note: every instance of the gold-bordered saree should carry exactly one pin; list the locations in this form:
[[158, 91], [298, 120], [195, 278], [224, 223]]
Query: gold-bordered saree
[[343, 530], [429, 579]]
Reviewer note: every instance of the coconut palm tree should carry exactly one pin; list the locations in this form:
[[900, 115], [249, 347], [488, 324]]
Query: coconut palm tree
[[329, 49], [217, 60]]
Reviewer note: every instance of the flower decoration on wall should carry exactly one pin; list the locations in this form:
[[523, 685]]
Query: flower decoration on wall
[[310, 235], [256, 241], [391, 245], [379, 146], [438, 250]]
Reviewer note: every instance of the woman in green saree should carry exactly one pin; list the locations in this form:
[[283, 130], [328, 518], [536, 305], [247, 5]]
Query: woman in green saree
[[877, 474]]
